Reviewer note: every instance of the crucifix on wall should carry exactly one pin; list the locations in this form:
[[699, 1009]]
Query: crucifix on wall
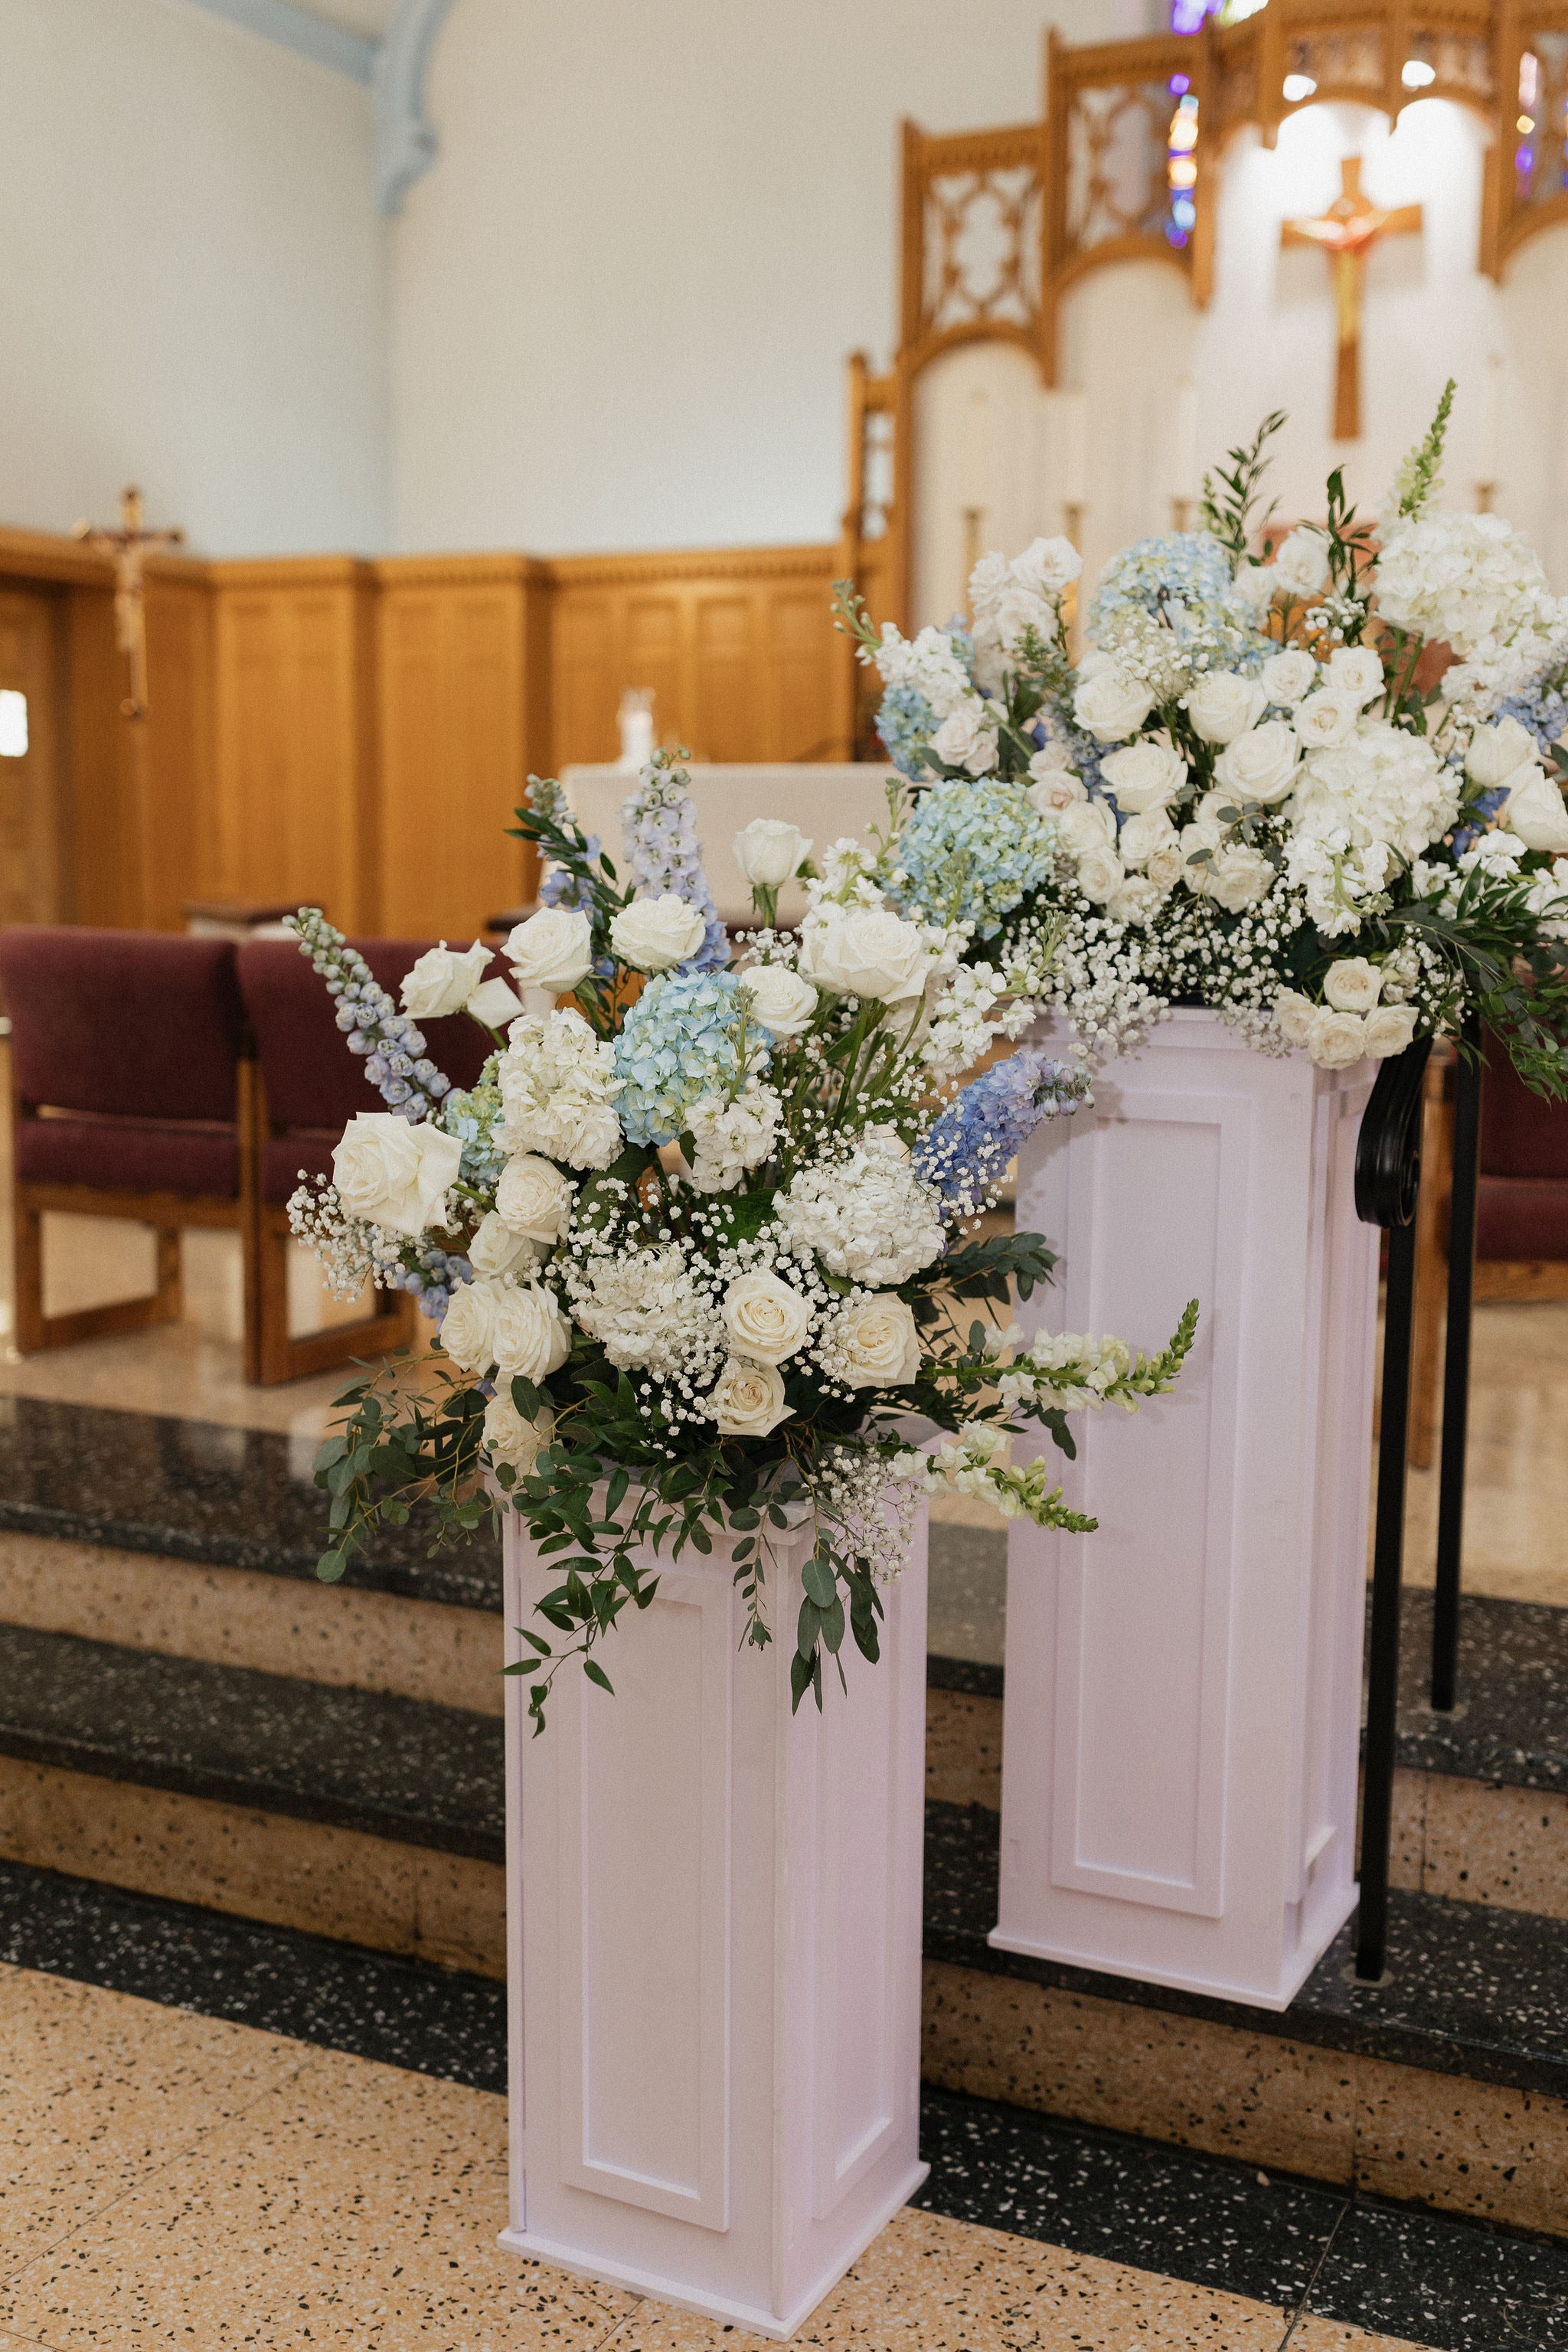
[[128, 549], [1346, 231]]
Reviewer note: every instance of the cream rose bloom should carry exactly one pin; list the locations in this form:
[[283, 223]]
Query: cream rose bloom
[[1110, 705], [510, 1437], [443, 980], [1286, 677], [967, 738], [395, 1173], [1495, 753], [1302, 563], [876, 1345], [1325, 719], [1166, 868], [765, 1319], [1239, 877], [1352, 985], [769, 852], [534, 1198], [1335, 1040], [1144, 775], [1535, 813], [864, 952], [1054, 788], [1224, 706], [1099, 874], [655, 934], [780, 1000], [1356, 672], [1261, 764], [1389, 1030], [468, 1327], [747, 1400], [1142, 837], [1294, 1014], [528, 1332], [553, 949], [496, 1249], [1087, 824]]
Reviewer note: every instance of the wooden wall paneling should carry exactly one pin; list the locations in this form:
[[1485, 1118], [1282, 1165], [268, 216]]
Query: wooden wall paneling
[[34, 815], [180, 750], [100, 790], [731, 698]]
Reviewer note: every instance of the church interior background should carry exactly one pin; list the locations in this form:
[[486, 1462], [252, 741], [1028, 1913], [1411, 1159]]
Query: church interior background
[[481, 366]]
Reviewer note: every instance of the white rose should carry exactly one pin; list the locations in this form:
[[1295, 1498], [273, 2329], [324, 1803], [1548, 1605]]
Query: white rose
[[1223, 706], [1335, 1040], [1356, 672], [1164, 868], [780, 1000], [1389, 1030], [769, 852], [1054, 788], [747, 1400], [533, 1198], [468, 1327], [553, 949], [1497, 751], [496, 1249], [1141, 836], [1086, 825], [1145, 775], [1255, 584], [1238, 878], [967, 738], [1108, 703], [494, 1003], [1294, 1014], [655, 934], [1047, 566], [1302, 563], [1287, 676], [1535, 811], [879, 1346], [764, 1317], [865, 951], [1325, 719], [530, 1333], [1099, 874], [1352, 985], [510, 1437], [393, 1173], [1134, 900], [443, 980], [1261, 764]]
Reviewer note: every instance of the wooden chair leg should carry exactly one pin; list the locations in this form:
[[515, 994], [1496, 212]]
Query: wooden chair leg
[[169, 1294], [393, 1327], [27, 1227], [36, 1332]]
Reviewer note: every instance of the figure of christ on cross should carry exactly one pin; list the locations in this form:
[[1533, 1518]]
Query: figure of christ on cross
[[128, 549], [1347, 232]]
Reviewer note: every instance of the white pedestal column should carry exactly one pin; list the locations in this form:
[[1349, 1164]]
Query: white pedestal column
[[1182, 1688], [714, 1948]]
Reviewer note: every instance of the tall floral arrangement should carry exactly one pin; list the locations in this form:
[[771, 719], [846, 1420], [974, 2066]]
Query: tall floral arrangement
[[1314, 784], [703, 1242]]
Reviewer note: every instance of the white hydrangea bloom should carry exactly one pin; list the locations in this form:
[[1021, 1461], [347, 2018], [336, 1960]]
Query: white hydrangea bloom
[[733, 1138], [1385, 785], [930, 666], [557, 1088], [1464, 578], [867, 1216]]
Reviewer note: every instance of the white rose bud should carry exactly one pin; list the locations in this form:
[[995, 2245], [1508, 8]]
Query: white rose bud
[[1335, 1040], [1294, 1014], [1302, 563], [747, 1400], [780, 1000], [1287, 676], [1054, 788], [1356, 672], [510, 1438], [1142, 837], [770, 853], [1145, 775], [764, 1317], [1108, 704], [468, 1327], [530, 1334], [1535, 814], [395, 1173], [551, 951], [1099, 874], [443, 980], [1352, 985], [877, 1344], [1325, 719], [655, 934], [494, 1003], [1047, 566], [1389, 1030], [534, 1198], [1223, 706], [496, 1249], [967, 738], [1086, 825], [1261, 764], [865, 951], [1496, 753]]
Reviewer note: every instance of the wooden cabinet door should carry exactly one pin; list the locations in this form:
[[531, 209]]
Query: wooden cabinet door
[[32, 864]]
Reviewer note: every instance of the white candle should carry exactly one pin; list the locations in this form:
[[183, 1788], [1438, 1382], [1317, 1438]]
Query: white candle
[[1073, 448], [1185, 442], [1491, 421]]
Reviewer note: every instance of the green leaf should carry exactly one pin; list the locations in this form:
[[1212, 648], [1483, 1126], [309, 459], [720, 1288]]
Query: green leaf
[[596, 1674], [819, 1580], [330, 1566]]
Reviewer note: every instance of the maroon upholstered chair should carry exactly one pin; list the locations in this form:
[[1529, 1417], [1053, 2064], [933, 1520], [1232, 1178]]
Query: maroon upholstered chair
[[310, 1087], [1521, 1212], [130, 1094]]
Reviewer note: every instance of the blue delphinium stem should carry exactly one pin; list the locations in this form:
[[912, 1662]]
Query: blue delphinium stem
[[966, 1152], [395, 1061], [664, 855]]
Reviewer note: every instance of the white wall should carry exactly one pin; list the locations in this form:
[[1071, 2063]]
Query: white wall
[[191, 281], [624, 295]]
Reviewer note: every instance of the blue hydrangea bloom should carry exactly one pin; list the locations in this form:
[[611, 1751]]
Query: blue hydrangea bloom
[[1542, 707], [971, 853], [477, 1119], [906, 723], [1185, 577], [679, 1042], [968, 1148]]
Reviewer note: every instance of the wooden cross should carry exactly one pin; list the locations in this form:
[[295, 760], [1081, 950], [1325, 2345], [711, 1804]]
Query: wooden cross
[[1347, 232], [129, 547]]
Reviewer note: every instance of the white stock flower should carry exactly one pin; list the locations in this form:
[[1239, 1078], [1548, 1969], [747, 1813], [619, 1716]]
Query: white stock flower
[[868, 1216], [765, 1319], [748, 1398], [1261, 764], [864, 952], [1110, 704], [930, 666], [393, 1172], [1287, 676], [769, 852], [1389, 1029], [1324, 719], [1142, 837], [655, 934], [512, 1438], [528, 1333], [1352, 985], [496, 1249], [1145, 775], [1302, 563], [873, 1343], [1356, 672], [1223, 706], [1495, 752], [733, 1138], [442, 980], [780, 1000], [553, 949], [1535, 811], [534, 1198], [1335, 1040]]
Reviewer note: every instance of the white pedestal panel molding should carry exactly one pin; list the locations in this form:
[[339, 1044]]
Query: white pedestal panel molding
[[1184, 1687], [714, 1948]]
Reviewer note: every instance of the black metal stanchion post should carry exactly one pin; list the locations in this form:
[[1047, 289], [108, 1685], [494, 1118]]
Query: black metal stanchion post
[[1457, 1369]]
